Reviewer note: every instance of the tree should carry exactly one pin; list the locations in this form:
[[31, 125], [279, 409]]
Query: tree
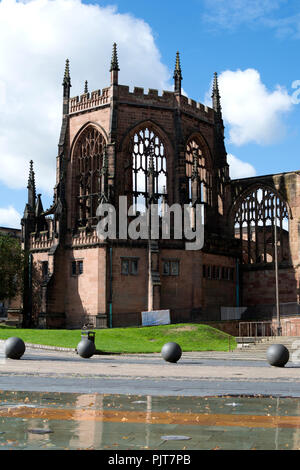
[[11, 266]]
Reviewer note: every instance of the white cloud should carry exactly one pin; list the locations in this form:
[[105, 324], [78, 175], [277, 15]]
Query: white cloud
[[230, 14], [9, 217], [238, 168], [287, 26], [35, 39], [253, 112]]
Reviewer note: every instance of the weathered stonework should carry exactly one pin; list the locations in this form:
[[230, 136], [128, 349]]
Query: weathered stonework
[[86, 281]]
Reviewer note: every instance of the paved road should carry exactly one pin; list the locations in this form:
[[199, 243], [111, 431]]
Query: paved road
[[196, 374]]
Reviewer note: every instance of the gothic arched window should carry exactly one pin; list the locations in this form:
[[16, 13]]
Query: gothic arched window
[[255, 219], [147, 168], [88, 162], [195, 163]]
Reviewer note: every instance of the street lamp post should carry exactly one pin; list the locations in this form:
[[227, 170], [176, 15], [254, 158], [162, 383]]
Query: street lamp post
[[279, 330]]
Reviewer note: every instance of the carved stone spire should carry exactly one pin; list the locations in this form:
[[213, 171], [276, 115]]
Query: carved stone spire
[[66, 88], [219, 144], [114, 59], [177, 75], [86, 90], [216, 102], [31, 187], [67, 80], [40, 221], [39, 206], [114, 66]]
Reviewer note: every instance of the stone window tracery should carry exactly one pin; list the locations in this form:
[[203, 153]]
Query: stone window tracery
[[196, 162], [254, 224], [88, 161], [147, 155]]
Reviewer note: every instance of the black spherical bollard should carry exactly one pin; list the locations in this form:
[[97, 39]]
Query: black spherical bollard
[[171, 352], [14, 347], [86, 348], [278, 355]]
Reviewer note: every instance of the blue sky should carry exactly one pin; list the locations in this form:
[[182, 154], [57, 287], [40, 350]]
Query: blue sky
[[253, 45]]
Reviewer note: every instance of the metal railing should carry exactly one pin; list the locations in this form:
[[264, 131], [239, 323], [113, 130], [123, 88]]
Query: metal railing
[[256, 329]]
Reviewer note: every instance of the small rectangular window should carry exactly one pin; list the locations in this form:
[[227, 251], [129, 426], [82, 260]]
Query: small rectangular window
[[171, 268], [45, 269], [77, 268], [74, 268], [134, 267], [214, 272], [125, 267], [166, 268], [129, 266], [208, 272], [174, 268], [80, 267]]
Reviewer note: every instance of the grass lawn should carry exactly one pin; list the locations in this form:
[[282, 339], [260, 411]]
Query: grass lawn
[[190, 337]]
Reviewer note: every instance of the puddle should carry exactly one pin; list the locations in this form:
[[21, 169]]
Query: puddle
[[134, 422], [175, 438], [39, 431]]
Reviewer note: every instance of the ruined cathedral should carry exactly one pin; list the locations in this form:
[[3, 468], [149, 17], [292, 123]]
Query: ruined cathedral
[[170, 149]]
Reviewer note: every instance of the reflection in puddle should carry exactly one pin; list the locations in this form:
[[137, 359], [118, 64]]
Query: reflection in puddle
[[40, 431], [175, 438], [119, 422]]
